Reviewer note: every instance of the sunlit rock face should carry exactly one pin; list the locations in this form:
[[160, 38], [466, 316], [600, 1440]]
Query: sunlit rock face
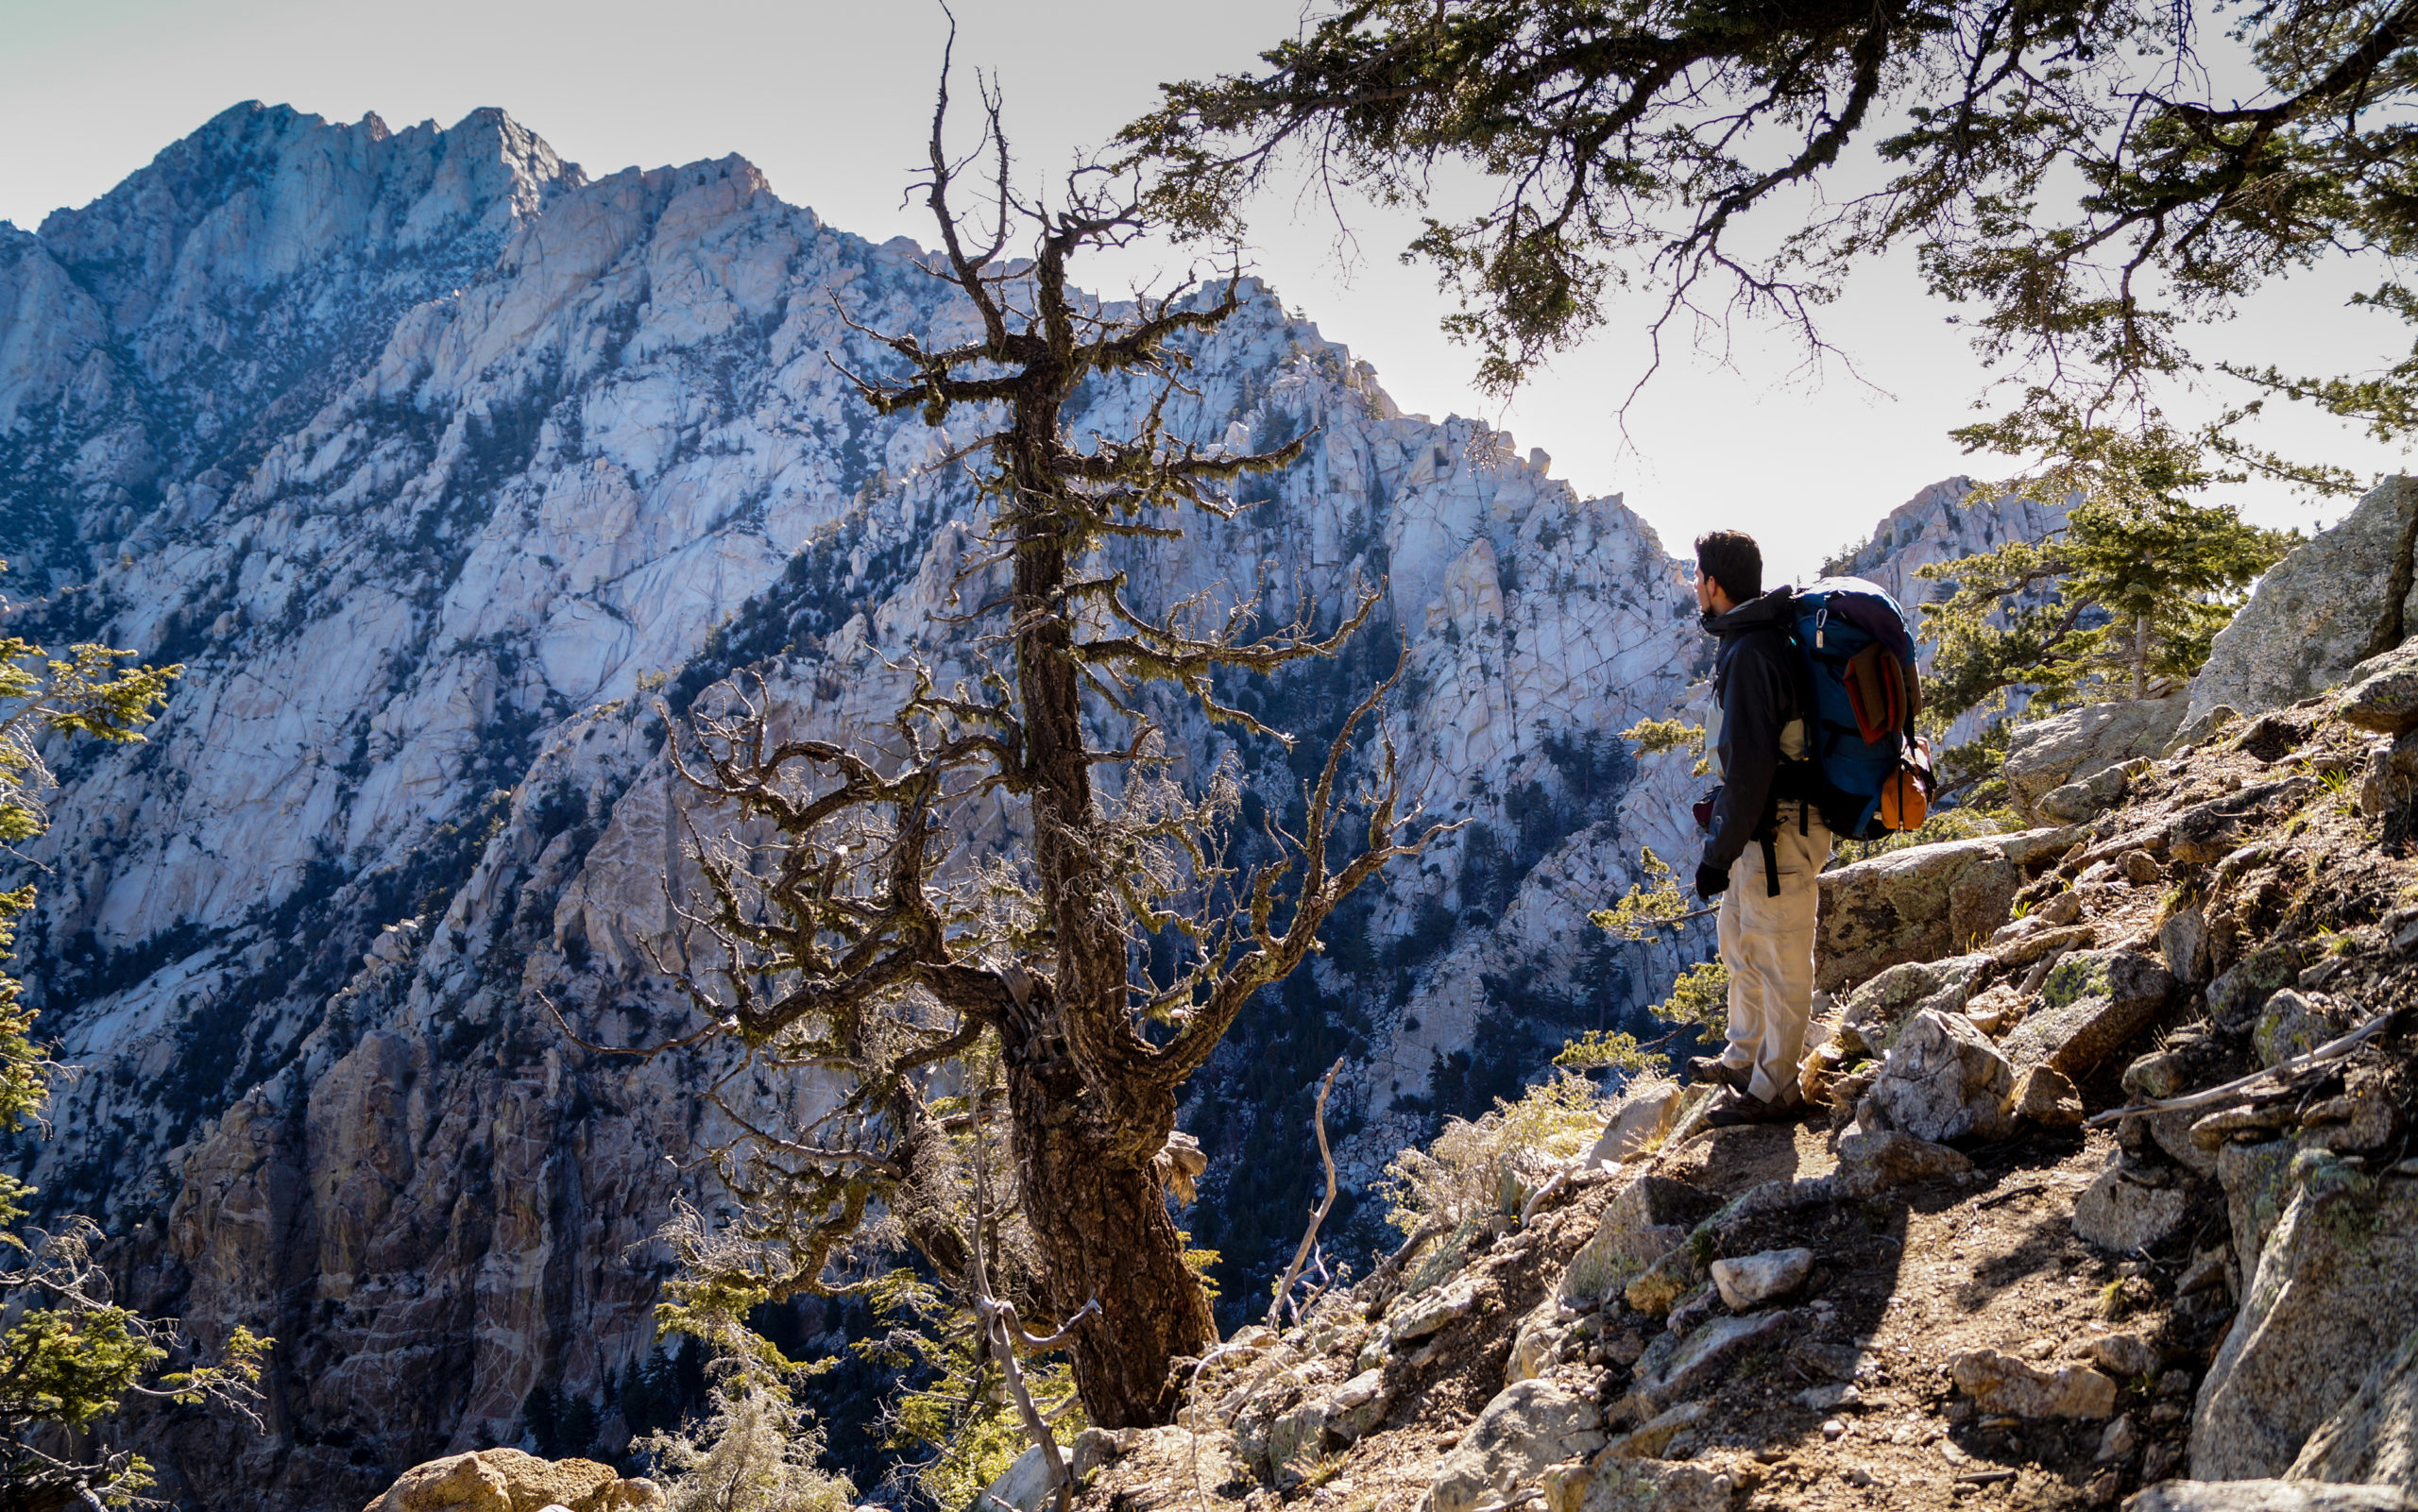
[[1949, 519], [1953, 518], [437, 463]]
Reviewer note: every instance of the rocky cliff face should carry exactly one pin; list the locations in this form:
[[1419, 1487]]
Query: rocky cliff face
[[2333, 603], [1950, 519], [156, 342], [435, 462]]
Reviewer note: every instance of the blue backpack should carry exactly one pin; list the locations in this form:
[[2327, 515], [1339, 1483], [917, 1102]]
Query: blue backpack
[[1865, 771]]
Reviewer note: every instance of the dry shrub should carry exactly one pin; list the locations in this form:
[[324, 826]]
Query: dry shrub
[[1475, 1169]]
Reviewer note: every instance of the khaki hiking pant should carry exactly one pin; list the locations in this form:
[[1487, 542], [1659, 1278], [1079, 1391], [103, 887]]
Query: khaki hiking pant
[[1767, 943]]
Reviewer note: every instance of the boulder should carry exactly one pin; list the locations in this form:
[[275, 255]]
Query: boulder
[[2258, 1181], [2035, 850], [2364, 1119], [2197, 729], [1026, 1483], [1650, 1439], [1648, 1220], [2183, 940], [1653, 1204], [1819, 1358], [2001, 1384], [2046, 1097], [1873, 1014], [1874, 1162], [508, 1480], [1160, 1466], [1750, 1280], [2267, 1496], [2078, 745], [2025, 946], [1920, 904], [459, 1482], [1544, 1334], [1527, 1427], [2238, 1125], [2334, 1292], [2090, 1003], [2124, 1355], [2242, 989], [2293, 1023], [2066, 907], [2079, 802], [2321, 611], [1423, 1314], [2117, 1214], [1357, 1405], [1644, 1116], [1616, 1484], [2161, 1074], [2382, 692], [2117, 1444], [1944, 1080], [1702, 1357], [2374, 1438], [2392, 777], [1295, 1440], [2172, 1132]]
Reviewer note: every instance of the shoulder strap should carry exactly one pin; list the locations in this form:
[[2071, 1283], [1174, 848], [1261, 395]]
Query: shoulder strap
[[1802, 686]]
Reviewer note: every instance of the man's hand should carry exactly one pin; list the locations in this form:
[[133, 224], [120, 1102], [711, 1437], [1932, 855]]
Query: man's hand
[[1711, 882]]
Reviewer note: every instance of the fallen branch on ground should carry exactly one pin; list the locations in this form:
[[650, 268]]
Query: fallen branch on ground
[[2231, 1091], [2010, 1194]]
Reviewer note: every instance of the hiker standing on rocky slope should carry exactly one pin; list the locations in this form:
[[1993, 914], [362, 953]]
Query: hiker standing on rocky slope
[[1764, 855]]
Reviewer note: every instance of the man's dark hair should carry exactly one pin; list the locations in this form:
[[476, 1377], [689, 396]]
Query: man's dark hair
[[1731, 558]]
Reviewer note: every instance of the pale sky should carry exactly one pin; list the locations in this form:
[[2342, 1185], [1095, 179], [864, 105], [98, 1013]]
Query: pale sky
[[832, 101]]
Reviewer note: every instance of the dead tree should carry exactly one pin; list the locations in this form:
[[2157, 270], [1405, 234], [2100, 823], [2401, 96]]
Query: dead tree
[[848, 931]]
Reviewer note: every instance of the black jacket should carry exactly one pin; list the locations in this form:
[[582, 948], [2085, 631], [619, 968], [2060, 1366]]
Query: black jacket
[[1755, 679]]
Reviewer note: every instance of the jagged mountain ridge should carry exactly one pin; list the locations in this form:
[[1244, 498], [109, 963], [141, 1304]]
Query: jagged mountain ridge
[[432, 459], [165, 333]]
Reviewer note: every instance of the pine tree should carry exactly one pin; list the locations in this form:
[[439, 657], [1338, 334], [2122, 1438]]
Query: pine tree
[[2121, 603], [2078, 174]]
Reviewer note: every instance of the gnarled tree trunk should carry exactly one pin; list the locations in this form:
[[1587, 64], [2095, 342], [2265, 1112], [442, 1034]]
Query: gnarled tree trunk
[[1101, 1224]]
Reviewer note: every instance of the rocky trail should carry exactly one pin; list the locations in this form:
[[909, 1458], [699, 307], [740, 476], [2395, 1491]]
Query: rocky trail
[[1952, 1290]]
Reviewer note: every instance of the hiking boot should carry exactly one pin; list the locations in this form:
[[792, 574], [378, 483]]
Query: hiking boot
[[1720, 1073], [1734, 1108]]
